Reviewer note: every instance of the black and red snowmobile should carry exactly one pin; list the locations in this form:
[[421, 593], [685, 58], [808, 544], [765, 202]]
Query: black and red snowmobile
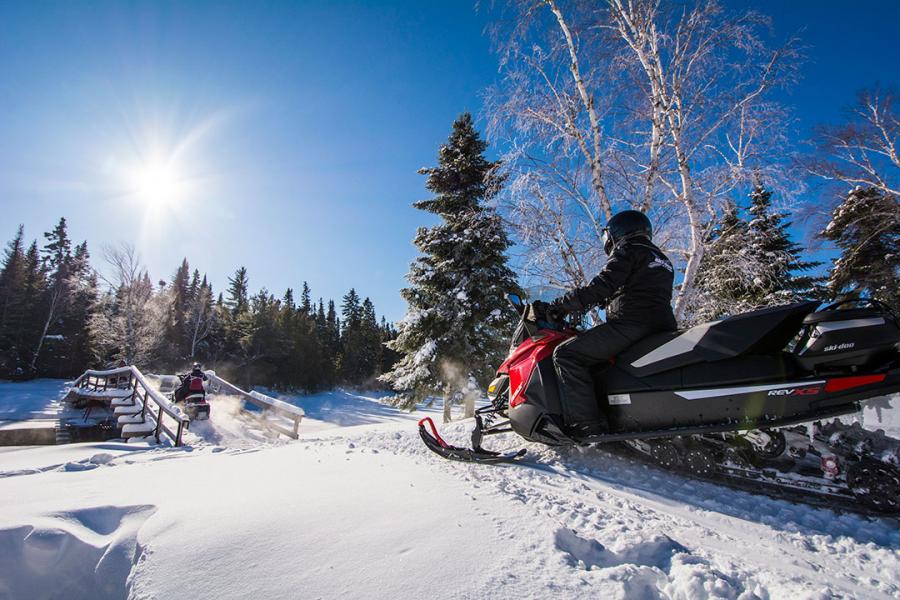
[[726, 399], [191, 394]]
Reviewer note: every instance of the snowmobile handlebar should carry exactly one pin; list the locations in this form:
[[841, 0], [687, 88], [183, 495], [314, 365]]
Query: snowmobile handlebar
[[537, 314]]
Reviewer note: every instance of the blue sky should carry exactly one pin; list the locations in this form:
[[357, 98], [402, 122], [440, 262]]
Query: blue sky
[[296, 127]]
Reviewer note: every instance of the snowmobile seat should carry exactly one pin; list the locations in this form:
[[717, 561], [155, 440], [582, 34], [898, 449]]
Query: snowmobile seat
[[762, 331]]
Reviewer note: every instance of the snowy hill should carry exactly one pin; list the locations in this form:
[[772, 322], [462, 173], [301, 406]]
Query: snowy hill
[[358, 508]]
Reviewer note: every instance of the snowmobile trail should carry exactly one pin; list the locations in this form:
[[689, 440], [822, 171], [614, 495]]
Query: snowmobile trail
[[657, 534], [597, 508]]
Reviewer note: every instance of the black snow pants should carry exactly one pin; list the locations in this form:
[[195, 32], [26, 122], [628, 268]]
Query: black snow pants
[[576, 358]]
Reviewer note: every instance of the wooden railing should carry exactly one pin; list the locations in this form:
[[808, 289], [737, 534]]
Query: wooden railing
[[286, 419], [155, 408]]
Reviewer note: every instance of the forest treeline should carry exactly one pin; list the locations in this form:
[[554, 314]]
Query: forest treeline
[[58, 316]]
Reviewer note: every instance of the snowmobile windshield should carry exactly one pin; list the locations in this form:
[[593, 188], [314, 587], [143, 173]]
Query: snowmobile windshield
[[544, 293]]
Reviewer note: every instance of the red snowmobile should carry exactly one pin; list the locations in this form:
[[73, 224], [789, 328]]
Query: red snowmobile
[[192, 393], [721, 400]]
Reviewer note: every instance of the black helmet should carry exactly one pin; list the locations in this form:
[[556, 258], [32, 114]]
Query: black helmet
[[197, 367], [625, 225]]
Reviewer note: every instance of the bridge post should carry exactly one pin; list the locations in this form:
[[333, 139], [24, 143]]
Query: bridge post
[[158, 423]]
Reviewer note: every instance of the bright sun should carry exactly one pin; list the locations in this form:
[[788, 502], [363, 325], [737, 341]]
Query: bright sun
[[157, 184]]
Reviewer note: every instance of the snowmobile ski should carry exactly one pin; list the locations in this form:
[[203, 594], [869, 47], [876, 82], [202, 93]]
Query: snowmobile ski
[[436, 444]]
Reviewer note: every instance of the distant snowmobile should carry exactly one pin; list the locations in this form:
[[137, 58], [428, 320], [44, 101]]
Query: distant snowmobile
[[722, 400], [192, 393]]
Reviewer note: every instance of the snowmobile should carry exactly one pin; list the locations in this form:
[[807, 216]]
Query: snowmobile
[[192, 397], [726, 399]]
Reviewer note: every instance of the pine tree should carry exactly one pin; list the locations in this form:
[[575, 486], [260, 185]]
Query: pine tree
[[58, 248], [727, 271], [780, 277], [324, 347], [306, 300], [12, 307], [455, 329], [238, 287], [57, 256], [177, 321], [200, 320], [352, 343], [866, 229], [76, 349]]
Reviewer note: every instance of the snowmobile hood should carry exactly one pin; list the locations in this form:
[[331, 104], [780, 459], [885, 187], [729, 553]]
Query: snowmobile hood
[[544, 339]]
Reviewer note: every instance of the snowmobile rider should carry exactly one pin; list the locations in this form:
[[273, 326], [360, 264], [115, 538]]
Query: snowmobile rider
[[635, 287], [191, 383]]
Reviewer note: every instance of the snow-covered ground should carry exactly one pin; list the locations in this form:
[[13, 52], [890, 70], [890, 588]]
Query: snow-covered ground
[[358, 508], [38, 399]]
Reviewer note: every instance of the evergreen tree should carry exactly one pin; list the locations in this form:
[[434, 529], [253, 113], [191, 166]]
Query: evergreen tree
[[455, 329], [58, 249], [727, 271], [323, 362], [36, 285], [866, 229], [57, 257], [75, 351], [780, 278], [177, 325], [238, 287], [12, 303], [389, 356], [306, 300], [200, 321], [352, 361]]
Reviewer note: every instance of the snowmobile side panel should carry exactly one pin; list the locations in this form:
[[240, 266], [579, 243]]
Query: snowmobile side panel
[[539, 416], [525, 360], [755, 405]]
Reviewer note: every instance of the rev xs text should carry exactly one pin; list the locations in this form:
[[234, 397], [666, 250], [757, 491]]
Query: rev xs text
[[810, 391]]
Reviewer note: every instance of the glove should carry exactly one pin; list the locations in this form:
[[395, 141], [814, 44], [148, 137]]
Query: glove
[[554, 313], [539, 310], [567, 304]]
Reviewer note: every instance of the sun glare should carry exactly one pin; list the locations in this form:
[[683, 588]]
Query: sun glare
[[157, 184]]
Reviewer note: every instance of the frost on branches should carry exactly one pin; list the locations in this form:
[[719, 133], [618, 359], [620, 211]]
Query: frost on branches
[[453, 336], [866, 229]]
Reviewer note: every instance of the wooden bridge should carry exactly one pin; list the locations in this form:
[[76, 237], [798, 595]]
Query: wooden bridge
[[141, 411]]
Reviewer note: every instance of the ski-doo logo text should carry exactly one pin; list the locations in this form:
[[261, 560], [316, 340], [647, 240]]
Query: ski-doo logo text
[[810, 391], [845, 346]]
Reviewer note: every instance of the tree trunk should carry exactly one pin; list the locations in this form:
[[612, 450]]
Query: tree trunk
[[693, 264], [470, 405], [595, 155], [37, 351], [448, 404]]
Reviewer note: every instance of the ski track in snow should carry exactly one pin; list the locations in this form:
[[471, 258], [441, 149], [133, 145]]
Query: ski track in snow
[[573, 524], [632, 530]]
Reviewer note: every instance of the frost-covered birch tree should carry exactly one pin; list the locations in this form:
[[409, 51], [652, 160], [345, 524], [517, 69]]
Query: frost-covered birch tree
[[130, 320], [651, 105], [456, 326]]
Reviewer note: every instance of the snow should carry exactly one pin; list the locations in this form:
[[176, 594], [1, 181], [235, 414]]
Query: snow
[[38, 399], [359, 508]]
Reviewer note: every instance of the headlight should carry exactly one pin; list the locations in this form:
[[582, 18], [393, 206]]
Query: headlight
[[497, 387]]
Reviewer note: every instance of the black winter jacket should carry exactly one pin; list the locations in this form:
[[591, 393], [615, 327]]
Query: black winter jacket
[[635, 286]]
